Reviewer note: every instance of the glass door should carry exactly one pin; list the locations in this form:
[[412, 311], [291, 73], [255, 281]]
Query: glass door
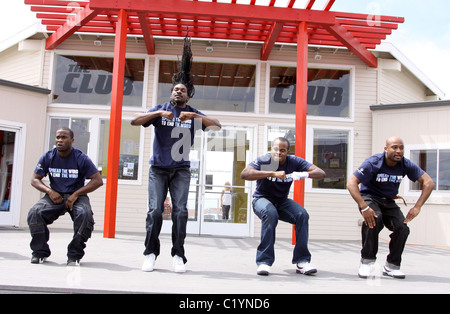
[[223, 196], [219, 199], [7, 153]]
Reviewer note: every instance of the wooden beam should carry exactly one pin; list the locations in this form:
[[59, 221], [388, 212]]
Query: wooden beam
[[353, 45], [82, 16], [301, 107], [112, 171], [329, 5], [147, 33], [219, 10], [310, 4], [270, 41]]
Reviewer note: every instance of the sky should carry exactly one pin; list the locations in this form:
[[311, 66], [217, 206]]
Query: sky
[[424, 37]]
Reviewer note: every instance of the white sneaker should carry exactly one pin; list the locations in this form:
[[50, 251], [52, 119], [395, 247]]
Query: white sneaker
[[365, 270], [306, 268], [263, 270], [178, 264], [394, 273], [149, 262]]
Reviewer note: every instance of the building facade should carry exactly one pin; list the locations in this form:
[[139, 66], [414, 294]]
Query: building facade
[[253, 99]]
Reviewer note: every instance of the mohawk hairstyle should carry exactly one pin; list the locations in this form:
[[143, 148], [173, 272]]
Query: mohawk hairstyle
[[184, 75]]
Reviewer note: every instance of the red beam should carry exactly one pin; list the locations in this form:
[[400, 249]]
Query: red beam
[[224, 10], [301, 108], [147, 33], [291, 3], [364, 17], [82, 16], [310, 4], [45, 9], [270, 41], [112, 172], [329, 5], [57, 3], [363, 23], [353, 45]]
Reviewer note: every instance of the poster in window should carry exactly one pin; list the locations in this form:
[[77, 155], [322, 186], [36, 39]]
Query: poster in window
[[335, 163]]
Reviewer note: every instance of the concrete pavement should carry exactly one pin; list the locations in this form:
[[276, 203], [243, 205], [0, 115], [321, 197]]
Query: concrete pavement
[[216, 265]]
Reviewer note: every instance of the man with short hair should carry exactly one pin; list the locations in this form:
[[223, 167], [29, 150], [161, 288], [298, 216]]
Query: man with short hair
[[67, 167], [379, 177], [274, 173]]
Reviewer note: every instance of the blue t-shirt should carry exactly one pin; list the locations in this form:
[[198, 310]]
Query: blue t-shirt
[[380, 180], [66, 174], [173, 138], [277, 190]]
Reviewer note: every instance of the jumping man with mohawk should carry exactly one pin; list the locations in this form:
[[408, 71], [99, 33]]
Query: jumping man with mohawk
[[175, 124]]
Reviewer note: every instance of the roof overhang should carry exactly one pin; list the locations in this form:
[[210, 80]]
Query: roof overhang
[[389, 48], [256, 21]]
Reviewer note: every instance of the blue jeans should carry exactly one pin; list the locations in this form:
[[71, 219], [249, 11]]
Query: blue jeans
[[161, 180], [287, 211]]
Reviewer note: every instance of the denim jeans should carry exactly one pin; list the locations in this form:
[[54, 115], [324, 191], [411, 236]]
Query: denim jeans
[[389, 215], [161, 180], [288, 211], [45, 212]]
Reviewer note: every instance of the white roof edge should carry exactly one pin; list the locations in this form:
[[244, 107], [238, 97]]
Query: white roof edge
[[22, 35], [397, 54]]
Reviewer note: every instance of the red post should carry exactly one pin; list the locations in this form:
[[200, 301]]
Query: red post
[[301, 108], [112, 173]]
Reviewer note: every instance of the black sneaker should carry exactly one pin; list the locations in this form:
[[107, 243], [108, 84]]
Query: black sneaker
[[38, 260], [73, 262]]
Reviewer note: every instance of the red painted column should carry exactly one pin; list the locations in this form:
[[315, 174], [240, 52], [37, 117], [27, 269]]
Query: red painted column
[[300, 109], [112, 173]]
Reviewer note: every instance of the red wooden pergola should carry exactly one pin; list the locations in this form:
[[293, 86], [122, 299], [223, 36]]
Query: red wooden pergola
[[264, 21]]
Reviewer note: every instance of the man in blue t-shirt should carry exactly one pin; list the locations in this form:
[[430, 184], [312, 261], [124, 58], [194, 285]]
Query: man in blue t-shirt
[[175, 124], [274, 174], [67, 168], [379, 177]]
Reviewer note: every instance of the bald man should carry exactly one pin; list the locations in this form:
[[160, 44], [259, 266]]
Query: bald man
[[379, 177]]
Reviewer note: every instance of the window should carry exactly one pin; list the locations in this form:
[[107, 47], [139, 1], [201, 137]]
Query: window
[[280, 131], [80, 128], [129, 150], [129, 143], [88, 80], [330, 152], [218, 86], [436, 162], [328, 91]]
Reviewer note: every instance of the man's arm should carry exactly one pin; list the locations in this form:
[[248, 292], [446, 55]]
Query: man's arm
[[427, 188], [368, 213], [315, 172], [141, 118], [252, 174], [211, 123], [37, 183]]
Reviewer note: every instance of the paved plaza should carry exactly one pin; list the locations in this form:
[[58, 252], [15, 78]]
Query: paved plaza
[[216, 265]]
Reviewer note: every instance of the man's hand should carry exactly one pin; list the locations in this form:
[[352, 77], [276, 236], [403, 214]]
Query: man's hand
[[413, 212], [279, 175], [167, 114], [369, 217], [187, 115], [55, 197], [71, 200]]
